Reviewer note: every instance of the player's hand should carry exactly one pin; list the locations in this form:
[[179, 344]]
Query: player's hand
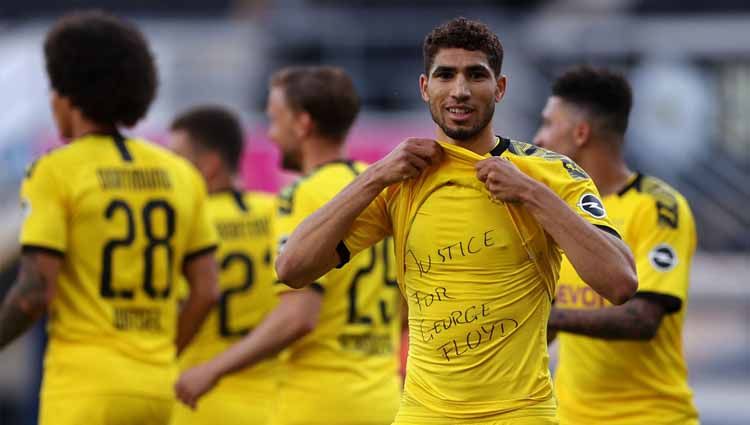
[[503, 179], [408, 160], [194, 383]]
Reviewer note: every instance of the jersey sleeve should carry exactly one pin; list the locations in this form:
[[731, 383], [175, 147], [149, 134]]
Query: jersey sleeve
[[663, 251], [202, 237], [369, 228], [44, 203], [572, 185], [293, 205]]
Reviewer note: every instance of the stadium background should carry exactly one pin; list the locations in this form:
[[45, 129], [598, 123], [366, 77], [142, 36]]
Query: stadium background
[[688, 61]]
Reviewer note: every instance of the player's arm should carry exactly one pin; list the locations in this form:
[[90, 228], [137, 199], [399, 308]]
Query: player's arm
[[30, 296], [202, 276], [311, 250], [43, 236], [551, 335], [199, 267], [638, 319], [295, 316], [663, 253], [601, 259]]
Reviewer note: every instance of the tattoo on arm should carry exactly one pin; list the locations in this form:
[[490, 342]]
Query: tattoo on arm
[[637, 319], [25, 303]]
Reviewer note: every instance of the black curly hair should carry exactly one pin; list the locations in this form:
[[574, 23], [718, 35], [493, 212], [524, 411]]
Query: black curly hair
[[216, 129], [603, 93], [464, 34], [103, 65]]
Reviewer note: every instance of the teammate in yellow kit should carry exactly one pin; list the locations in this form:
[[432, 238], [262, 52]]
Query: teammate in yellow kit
[[478, 221], [342, 332], [111, 222], [623, 364], [212, 139]]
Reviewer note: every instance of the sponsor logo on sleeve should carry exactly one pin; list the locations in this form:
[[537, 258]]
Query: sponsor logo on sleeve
[[663, 257], [591, 204]]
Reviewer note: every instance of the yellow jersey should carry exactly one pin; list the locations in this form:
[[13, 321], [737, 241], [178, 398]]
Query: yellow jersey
[[479, 277], [124, 215], [243, 222], [634, 382], [346, 370]]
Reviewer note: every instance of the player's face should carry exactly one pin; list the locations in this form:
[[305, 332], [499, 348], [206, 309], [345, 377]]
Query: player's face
[[557, 131], [461, 91], [179, 143], [61, 112], [282, 126]]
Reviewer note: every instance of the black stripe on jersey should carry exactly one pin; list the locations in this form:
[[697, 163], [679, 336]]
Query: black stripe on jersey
[[513, 147], [344, 254], [237, 195], [670, 303], [635, 184], [286, 198], [122, 147], [30, 249], [667, 214], [30, 168], [501, 147], [198, 253], [349, 163], [315, 286], [667, 209], [609, 230]]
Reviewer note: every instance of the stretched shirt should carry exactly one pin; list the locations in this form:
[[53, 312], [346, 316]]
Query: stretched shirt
[[479, 277]]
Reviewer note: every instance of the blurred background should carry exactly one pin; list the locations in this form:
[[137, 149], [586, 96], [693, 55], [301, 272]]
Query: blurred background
[[688, 62]]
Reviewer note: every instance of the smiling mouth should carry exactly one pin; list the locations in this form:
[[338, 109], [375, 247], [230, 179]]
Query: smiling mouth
[[459, 113]]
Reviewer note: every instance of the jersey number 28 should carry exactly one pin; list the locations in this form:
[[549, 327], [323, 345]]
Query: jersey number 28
[[119, 206]]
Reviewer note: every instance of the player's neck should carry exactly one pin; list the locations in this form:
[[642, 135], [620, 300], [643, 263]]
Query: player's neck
[[319, 151], [480, 144], [82, 126], [220, 183], [607, 168]]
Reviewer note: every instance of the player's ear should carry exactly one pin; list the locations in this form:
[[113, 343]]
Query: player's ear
[[304, 125], [582, 133], [211, 164], [423, 87], [502, 82]]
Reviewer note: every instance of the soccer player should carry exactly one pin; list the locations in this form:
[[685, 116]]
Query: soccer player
[[111, 222], [212, 139], [478, 221], [620, 364], [342, 330]]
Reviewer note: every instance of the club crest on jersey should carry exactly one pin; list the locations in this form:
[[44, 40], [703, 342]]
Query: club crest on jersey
[[663, 257], [592, 205]]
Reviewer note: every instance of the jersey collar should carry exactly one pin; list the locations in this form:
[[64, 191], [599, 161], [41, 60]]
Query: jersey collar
[[633, 183], [500, 147], [237, 197], [348, 162]]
